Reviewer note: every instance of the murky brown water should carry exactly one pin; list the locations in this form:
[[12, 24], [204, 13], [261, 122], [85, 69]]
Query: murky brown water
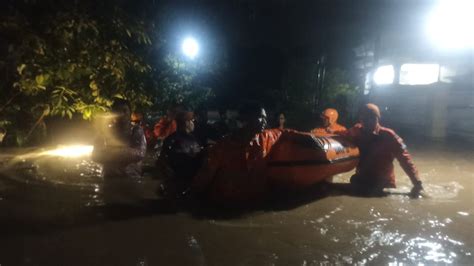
[[66, 224]]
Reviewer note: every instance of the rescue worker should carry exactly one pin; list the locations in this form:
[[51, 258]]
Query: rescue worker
[[166, 125], [137, 119], [330, 126], [121, 151], [234, 170], [379, 146], [181, 150]]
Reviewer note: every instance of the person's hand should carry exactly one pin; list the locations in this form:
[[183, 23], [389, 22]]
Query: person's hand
[[416, 190]]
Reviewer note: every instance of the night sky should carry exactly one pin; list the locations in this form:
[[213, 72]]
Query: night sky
[[259, 39]]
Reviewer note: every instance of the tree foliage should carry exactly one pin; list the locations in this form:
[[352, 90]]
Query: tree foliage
[[71, 61], [75, 63], [340, 93], [299, 94], [180, 81]]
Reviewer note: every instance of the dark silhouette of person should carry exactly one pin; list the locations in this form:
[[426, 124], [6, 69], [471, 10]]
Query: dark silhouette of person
[[121, 151], [181, 152]]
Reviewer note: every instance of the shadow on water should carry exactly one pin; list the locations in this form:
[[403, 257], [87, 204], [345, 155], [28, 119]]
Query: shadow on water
[[42, 208], [283, 201]]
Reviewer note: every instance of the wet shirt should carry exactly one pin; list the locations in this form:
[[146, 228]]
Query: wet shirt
[[124, 160], [335, 129], [234, 170], [377, 152], [182, 152]]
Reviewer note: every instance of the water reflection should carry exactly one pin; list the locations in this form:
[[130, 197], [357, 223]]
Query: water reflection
[[337, 229]]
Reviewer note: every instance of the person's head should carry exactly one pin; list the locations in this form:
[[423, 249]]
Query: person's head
[[253, 117], [121, 109], [185, 121], [329, 117], [281, 120], [369, 117], [136, 118]]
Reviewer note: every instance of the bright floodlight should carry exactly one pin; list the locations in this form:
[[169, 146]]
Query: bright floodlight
[[384, 75], [450, 25], [190, 47], [419, 74], [71, 151]]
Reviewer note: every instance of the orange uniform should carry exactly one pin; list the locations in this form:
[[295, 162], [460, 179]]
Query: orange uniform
[[377, 153], [235, 171], [334, 129], [164, 128], [331, 126]]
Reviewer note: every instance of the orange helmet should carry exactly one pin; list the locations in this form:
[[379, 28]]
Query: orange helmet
[[330, 115]]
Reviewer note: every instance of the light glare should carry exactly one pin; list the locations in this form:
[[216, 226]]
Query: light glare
[[190, 47], [450, 25], [71, 151], [384, 75], [419, 74]]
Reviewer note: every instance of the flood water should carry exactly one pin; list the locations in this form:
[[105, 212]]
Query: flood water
[[53, 215]]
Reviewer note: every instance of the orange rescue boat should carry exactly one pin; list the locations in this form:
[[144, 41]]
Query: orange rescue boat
[[291, 165]]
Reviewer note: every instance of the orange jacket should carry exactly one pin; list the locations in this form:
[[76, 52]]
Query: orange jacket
[[377, 152], [235, 171], [164, 128], [334, 129]]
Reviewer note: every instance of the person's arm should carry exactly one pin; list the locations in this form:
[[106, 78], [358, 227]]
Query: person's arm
[[352, 134], [319, 132], [406, 162], [340, 130]]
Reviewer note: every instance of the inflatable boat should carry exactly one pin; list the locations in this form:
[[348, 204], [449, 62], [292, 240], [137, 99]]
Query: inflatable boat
[[295, 160], [292, 165]]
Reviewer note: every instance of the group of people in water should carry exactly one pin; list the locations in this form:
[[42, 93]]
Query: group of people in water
[[207, 161]]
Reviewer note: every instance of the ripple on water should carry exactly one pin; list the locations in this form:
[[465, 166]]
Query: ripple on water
[[437, 247], [419, 248], [444, 190]]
